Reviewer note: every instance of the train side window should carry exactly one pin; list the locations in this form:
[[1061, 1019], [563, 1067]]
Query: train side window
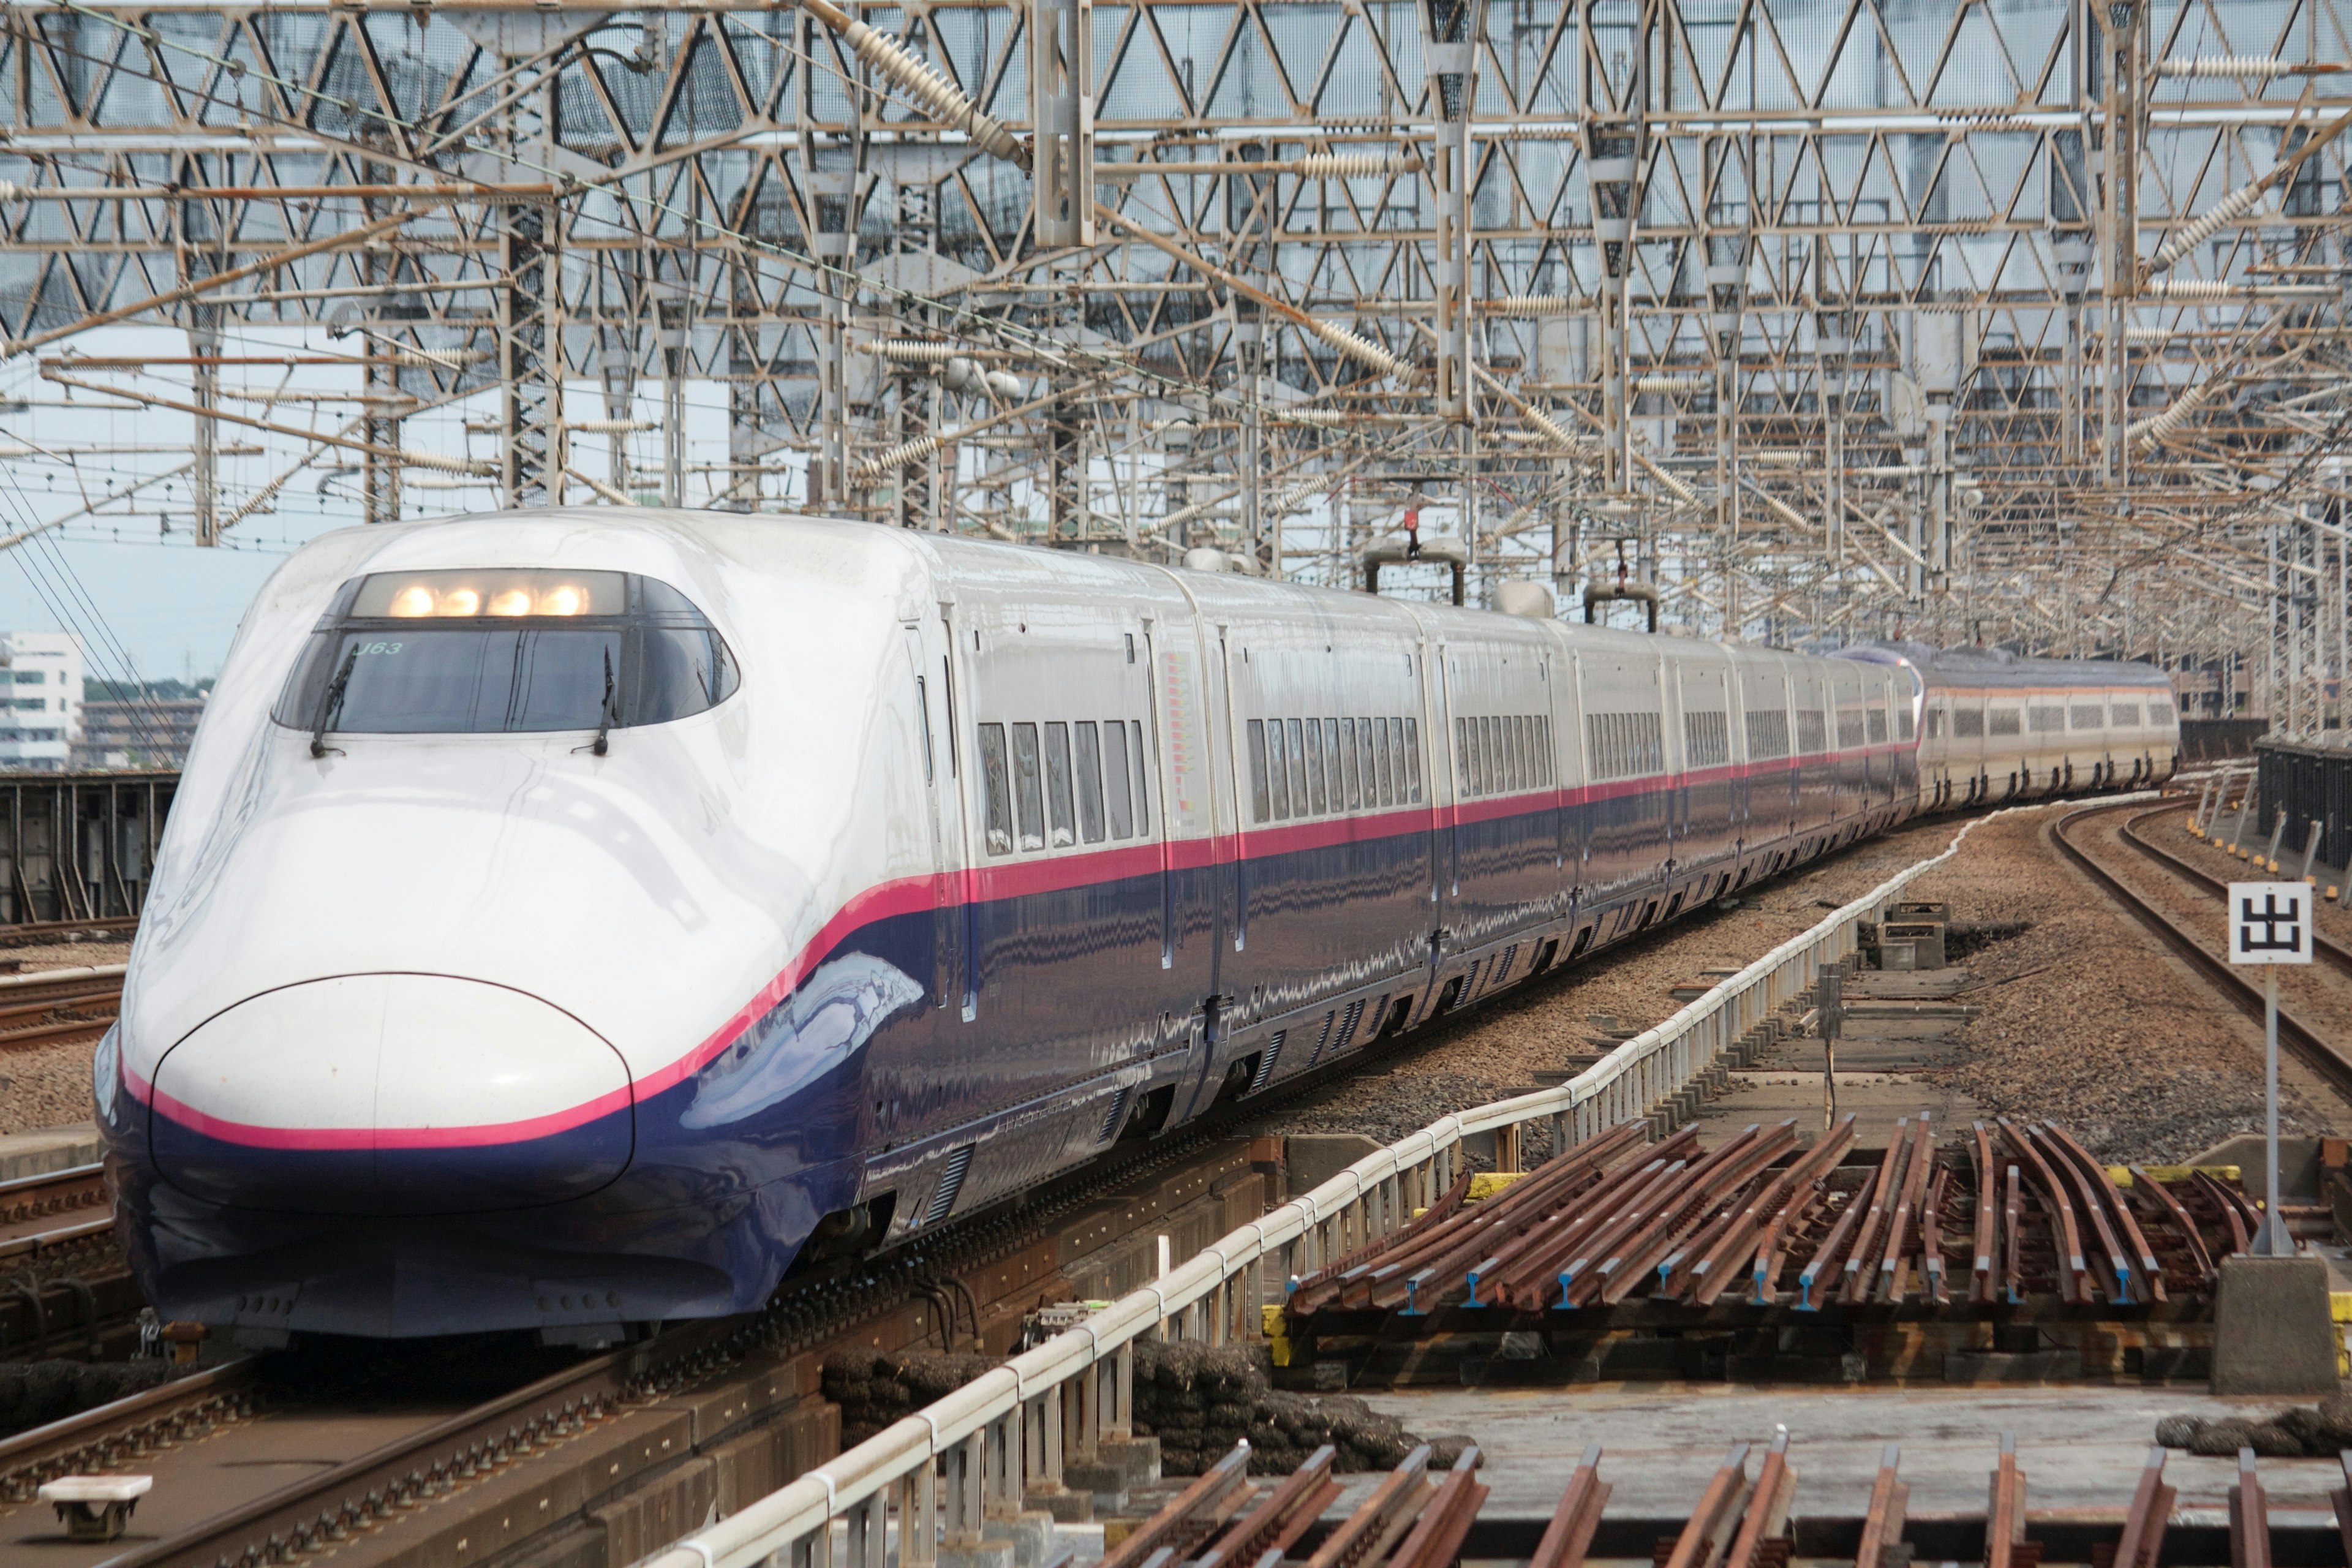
[[1482, 747], [1260, 806], [1315, 799], [1462, 756], [1381, 761], [1412, 757], [1515, 751], [1348, 769], [1370, 769], [2127, 715], [1331, 763], [1543, 740], [1877, 719], [1969, 721], [1057, 784], [1300, 767], [1029, 794], [1142, 787], [995, 789], [923, 711], [1277, 771], [2085, 716], [1122, 800], [1090, 796], [1506, 756]]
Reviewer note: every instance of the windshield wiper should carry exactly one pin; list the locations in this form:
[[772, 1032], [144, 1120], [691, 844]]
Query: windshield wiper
[[331, 702], [604, 716]]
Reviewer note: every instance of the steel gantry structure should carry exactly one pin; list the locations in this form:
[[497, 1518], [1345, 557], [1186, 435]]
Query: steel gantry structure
[[2017, 321]]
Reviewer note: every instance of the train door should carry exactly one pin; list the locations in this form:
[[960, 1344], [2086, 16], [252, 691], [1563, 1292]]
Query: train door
[[1191, 700], [933, 717]]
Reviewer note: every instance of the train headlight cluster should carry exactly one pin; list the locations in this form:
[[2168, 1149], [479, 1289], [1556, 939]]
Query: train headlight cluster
[[443, 594]]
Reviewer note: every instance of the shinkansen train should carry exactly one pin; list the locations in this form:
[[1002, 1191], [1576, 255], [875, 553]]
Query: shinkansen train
[[569, 920]]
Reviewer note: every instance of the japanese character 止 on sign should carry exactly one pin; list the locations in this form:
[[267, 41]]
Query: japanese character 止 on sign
[[2270, 922]]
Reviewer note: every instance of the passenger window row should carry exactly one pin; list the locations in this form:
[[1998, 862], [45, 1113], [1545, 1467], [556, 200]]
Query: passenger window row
[[2004, 721], [1812, 731], [2087, 716], [1503, 754], [2045, 717], [1706, 739], [1968, 723], [1849, 731], [1056, 796], [2124, 715], [1768, 733], [1308, 767], [1625, 745], [1876, 718]]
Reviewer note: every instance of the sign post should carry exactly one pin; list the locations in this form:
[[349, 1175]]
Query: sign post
[[2270, 923]]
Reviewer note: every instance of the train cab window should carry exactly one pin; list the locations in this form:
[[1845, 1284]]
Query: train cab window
[[506, 651], [1090, 794], [996, 789], [1123, 804], [1027, 792]]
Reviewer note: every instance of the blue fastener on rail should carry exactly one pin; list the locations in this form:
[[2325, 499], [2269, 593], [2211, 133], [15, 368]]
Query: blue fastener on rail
[[1413, 1308]]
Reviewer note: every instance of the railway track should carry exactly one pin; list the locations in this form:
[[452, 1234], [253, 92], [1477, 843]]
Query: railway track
[[2198, 942], [35, 933], [60, 1006], [65, 1289]]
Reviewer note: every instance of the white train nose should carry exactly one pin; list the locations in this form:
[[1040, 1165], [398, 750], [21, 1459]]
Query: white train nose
[[391, 1094]]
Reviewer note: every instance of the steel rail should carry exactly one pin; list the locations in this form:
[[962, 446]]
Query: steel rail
[[2337, 955], [2308, 1044]]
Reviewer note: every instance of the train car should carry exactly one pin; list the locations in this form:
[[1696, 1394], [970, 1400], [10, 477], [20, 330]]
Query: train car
[[570, 920], [1995, 727]]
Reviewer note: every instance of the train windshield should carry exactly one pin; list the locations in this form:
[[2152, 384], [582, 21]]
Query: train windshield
[[506, 651]]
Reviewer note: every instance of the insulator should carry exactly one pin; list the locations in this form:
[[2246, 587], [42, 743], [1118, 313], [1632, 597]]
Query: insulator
[[10, 191], [899, 456], [1362, 350], [1535, 305], [1354, 165], [942, 97], [1546, 427], [2226, 65], [1005, 385], [1669, 383], [2193, 288], [909, 350], [2152, 430], [2185, 240]]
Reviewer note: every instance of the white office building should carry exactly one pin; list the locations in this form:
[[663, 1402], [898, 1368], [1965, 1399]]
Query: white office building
[[40, 700]]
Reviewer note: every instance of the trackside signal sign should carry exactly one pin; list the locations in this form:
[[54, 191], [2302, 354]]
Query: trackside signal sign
[[2270, 922]]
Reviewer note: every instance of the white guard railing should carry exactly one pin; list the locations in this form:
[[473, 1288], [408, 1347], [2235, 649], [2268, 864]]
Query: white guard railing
[[989, 1449]]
